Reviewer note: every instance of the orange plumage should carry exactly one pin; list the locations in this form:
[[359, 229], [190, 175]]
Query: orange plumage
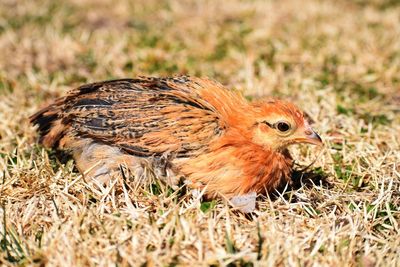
[[209, 134]]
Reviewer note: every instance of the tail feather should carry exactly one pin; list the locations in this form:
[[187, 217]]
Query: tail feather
[[50, 126]]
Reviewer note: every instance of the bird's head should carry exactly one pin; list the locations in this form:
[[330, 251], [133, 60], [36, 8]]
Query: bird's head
[[279, 124]]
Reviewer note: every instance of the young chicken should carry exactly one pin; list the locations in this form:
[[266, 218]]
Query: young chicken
[[202, 131]]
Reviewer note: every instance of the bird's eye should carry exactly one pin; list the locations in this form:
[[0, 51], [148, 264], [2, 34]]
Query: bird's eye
[[283, 126]]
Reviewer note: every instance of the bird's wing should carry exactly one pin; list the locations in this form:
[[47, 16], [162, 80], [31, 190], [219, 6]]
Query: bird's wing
[[144, 117]]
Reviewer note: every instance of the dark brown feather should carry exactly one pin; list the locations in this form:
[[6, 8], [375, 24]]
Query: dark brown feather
[[143, 117]]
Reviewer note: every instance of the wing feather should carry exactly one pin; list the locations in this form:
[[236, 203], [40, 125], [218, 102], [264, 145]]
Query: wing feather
[[144, 117]]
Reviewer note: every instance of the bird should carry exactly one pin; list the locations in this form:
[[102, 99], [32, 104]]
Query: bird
[[195, 128]]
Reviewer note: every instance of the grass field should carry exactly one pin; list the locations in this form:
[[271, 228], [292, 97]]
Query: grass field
[[338, 60]]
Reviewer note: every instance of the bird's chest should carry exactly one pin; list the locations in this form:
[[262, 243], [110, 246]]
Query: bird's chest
[[266, 171], [238, 170]]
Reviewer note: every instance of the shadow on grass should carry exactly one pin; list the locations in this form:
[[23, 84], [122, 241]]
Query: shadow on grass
[[309, 178], [306, 179]]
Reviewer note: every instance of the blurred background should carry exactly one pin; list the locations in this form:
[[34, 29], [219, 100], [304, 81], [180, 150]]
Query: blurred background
[[351, 47]]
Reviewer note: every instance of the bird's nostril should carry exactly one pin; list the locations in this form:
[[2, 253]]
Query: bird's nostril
[[308, 132]]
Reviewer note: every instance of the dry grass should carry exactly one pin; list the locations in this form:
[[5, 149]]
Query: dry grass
[[339, 60]]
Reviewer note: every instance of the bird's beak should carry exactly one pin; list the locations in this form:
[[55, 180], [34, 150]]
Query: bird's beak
[[309, 136]]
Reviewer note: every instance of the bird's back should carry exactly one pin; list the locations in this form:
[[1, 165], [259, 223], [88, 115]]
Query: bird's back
[[143, 117]]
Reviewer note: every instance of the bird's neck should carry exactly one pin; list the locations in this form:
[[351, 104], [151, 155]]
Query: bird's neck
[[263, 169]]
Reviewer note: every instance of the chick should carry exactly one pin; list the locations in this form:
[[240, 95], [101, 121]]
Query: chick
[[210, 135]]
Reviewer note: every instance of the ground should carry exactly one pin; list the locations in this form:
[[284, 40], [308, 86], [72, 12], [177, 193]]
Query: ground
[[337, 60]]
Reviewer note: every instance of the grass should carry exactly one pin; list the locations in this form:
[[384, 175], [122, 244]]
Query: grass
[[338, 60]]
